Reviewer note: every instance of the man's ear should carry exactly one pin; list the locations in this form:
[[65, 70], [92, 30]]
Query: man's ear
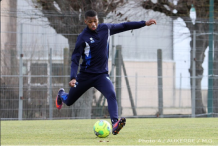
[[85, 21]]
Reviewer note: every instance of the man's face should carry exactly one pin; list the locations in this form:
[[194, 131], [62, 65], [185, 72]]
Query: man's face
[[92, 23]]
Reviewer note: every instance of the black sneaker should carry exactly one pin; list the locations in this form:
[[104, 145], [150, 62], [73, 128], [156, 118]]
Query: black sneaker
[[118, 126], [59, 102]]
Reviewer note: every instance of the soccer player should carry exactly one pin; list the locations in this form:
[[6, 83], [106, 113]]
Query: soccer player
[[93, 45]]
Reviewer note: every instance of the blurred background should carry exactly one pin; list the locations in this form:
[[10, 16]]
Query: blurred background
[[164, 70]]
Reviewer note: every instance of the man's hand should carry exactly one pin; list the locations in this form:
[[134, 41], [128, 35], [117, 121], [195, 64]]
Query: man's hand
[[150, 22], [72, 83]]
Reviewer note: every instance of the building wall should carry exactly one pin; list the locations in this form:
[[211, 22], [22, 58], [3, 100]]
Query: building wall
[[143, 81], [142, 44]]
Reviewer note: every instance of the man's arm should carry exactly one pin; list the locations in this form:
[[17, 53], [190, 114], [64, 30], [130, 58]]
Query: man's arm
[[75, 61], [121, 27]]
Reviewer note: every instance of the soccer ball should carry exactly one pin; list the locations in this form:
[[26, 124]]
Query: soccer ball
[[102, 128]]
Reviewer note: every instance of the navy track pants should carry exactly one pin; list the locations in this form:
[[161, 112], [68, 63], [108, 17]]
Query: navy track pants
[[101, 82]]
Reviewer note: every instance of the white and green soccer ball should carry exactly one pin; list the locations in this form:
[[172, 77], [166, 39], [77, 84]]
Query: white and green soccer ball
[[102, 128]]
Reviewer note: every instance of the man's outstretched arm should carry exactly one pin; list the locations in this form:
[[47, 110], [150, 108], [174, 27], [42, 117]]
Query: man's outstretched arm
[[121, 27]]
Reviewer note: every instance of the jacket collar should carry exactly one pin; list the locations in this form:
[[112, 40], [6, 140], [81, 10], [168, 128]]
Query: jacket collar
[[87, 29]]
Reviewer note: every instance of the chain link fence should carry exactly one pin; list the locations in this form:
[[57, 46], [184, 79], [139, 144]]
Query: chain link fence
[[35, 63]]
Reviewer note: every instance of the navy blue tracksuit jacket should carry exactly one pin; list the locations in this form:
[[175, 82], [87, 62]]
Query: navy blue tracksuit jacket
[[93, 46]]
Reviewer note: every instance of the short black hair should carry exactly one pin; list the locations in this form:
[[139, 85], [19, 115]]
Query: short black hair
[[90, 13]]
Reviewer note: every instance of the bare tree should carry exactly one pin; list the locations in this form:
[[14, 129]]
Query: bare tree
[[202, 26], [8, 59]]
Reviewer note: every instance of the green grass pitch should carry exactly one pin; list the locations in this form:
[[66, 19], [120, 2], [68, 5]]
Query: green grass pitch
[[140, 131]]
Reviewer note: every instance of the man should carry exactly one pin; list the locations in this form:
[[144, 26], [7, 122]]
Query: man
[[93, 45]]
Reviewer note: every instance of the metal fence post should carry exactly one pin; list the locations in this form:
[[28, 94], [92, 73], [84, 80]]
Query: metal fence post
[[20, 110], [128, 88], [118, 63], [210, 59], [50, 86], [160, 82], [136, 83], [193, 75], [180, 88], [112, 60], [66, 69]]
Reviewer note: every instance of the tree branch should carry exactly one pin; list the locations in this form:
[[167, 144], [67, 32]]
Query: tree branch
[[112, 5], [63, 5], [159, 7], [60, 20]]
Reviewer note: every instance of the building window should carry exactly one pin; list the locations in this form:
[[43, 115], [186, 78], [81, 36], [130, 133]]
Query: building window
[[39, 69], [57, 70]]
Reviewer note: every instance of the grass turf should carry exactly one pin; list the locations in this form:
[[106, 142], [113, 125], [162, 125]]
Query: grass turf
[[142, 131]]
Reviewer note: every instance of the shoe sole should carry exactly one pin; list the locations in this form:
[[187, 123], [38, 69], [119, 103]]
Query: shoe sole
[[121, 123]]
